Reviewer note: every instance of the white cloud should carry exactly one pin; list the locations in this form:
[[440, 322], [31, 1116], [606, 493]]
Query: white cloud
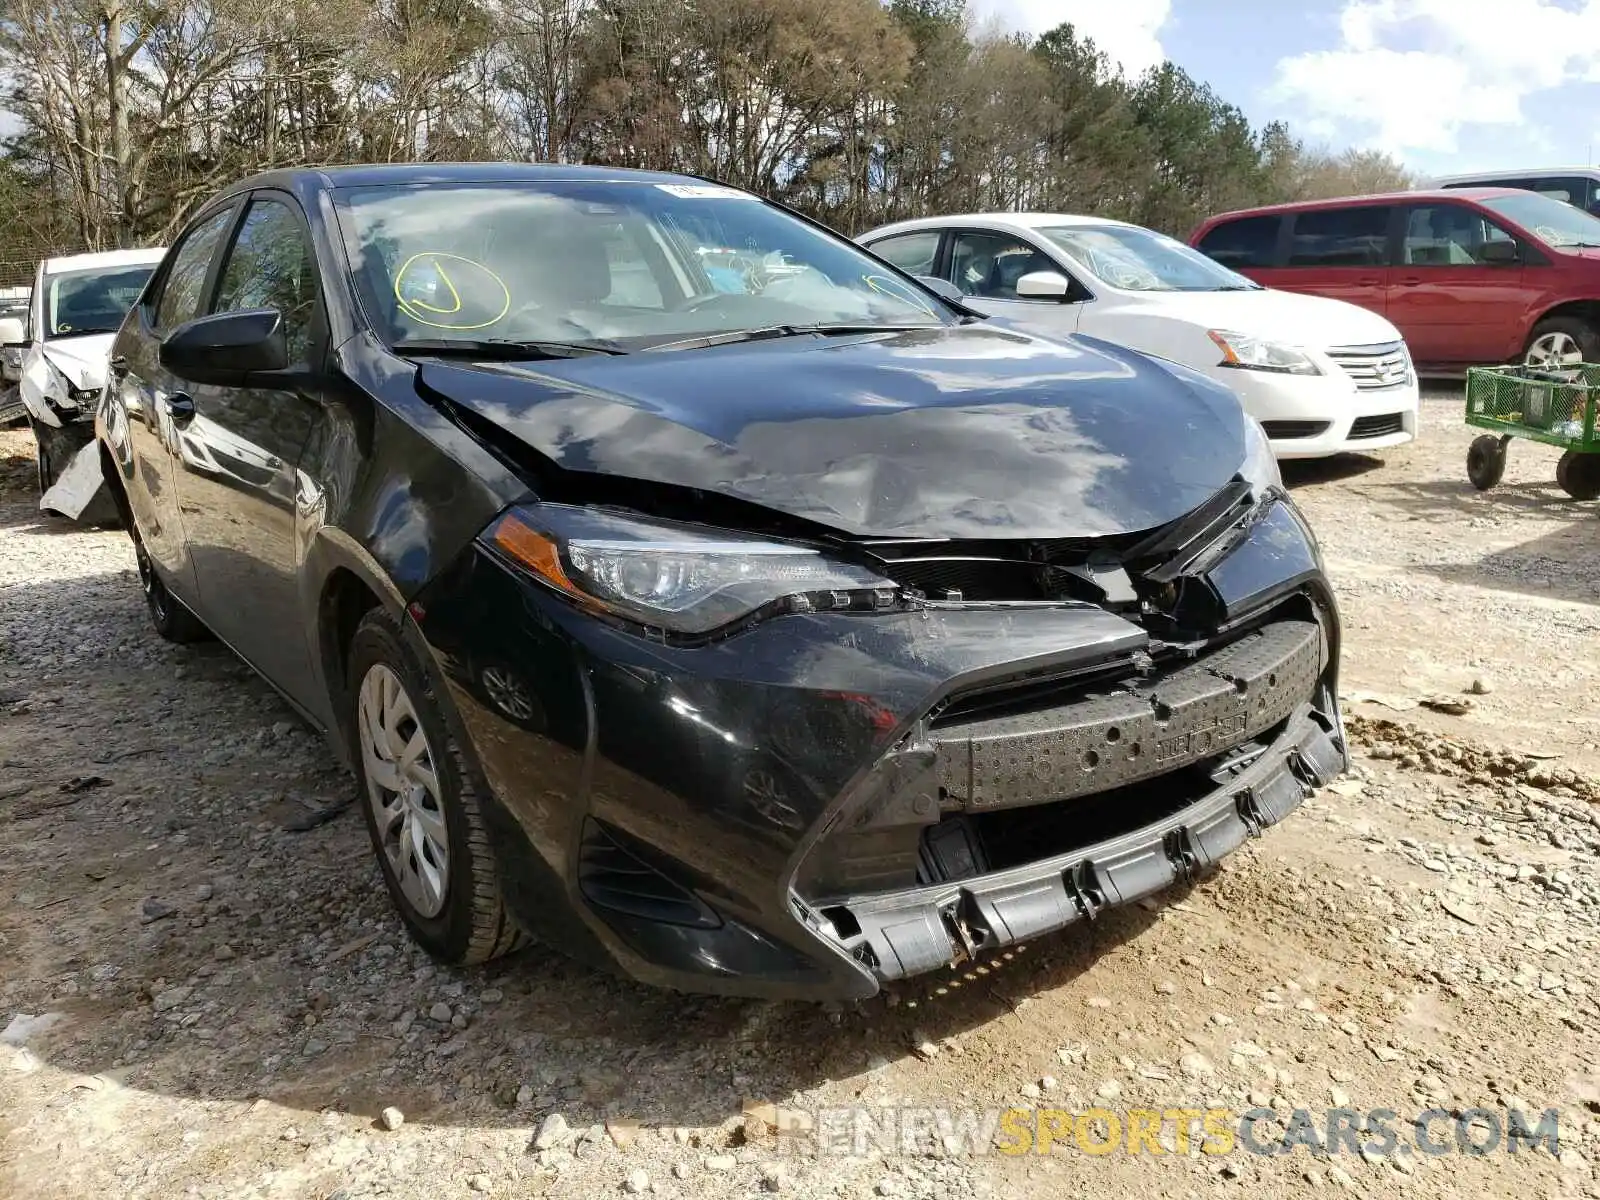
[[1409, 75], [1128, 31]]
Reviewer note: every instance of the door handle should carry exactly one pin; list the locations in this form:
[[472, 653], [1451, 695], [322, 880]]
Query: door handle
[[119, 366], [1410, 280], [180, 407], [1374, 281]]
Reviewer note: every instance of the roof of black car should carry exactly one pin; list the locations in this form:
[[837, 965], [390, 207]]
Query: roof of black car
[[401, 174]]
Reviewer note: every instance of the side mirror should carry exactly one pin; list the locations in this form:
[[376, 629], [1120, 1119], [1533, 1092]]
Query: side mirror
[[225, 347], [1043, 285], [12, 332], [1500, 254], [942, 288]]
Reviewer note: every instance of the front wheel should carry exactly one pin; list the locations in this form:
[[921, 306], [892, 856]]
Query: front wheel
[[422, 806], [171, 619], [46, 469], [1561, 344], [1486, 461], [1579, 475]]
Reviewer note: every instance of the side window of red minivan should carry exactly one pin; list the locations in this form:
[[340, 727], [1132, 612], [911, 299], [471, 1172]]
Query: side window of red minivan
[[1448, 235], [1340, 237], [1246, 243]]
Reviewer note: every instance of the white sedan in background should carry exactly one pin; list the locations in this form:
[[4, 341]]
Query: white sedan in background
[[77, 304], [1322, 376]]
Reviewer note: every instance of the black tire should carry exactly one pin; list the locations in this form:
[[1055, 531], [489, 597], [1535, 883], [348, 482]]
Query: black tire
[[474, 924], [45, 468], [1579, 475], [1581, 333], [171, 619], [1486, 462]]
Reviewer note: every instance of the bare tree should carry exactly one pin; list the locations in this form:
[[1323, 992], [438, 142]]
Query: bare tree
[[858, 111]]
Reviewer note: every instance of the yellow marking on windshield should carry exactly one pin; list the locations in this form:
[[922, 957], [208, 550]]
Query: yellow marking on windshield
[[425, 313], [455, 296], [899, 291]]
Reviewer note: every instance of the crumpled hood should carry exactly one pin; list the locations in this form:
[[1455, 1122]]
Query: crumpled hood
[[81, 359], [962, 432], [1315, 322]]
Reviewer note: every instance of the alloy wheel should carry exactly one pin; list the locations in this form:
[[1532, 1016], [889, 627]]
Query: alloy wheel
[[1554, 351], [403, 790], [508, 693]]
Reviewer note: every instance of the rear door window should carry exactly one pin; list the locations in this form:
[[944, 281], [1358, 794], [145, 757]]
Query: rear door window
[[1341, 237], [1247, 242]]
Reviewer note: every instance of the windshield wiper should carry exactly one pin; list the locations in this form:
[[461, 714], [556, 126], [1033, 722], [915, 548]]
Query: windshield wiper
[[502, 349], [768, 333], [72, 333]]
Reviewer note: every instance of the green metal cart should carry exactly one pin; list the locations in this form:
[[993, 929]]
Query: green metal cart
[[1556, 407]]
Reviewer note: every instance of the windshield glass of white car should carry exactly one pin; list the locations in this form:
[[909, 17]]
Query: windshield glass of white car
[[1560, 225], [1139, 260], [93, 300]]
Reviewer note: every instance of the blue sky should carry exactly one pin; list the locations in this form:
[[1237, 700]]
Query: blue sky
[[1445, 85]]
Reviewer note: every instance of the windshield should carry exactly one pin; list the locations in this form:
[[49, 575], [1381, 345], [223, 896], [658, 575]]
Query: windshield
[[1554, 223], [93, 300], [623, 264], [1141, 260]]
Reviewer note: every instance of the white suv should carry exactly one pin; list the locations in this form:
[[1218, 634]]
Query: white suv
[[1577, 186]]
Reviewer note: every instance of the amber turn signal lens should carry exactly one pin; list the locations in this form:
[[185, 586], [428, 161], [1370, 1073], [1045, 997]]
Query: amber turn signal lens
[[517, 539]]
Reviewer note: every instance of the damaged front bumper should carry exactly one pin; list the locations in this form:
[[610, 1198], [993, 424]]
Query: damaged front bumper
[[910, 932], [821, 803], [71, 484]]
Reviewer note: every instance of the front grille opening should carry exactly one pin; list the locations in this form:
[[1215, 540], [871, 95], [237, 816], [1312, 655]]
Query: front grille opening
[[973, 844], [1014, 697], [972, 579], [1022, 694], [1378, 426], [1118, 573]]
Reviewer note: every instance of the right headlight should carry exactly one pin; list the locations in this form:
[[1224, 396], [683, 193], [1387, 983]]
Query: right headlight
[[683, 579], [1258, 354]]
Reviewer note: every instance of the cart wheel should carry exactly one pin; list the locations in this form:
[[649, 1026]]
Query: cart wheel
[[1486, 461], [1579, 475]]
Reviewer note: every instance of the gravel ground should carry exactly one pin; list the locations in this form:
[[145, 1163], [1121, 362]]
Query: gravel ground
[[203, 991]]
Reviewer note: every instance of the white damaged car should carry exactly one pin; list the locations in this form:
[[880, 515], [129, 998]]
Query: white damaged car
[[77, 306]]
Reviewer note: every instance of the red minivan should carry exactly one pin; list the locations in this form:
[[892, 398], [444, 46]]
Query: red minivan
[[1468, 275]]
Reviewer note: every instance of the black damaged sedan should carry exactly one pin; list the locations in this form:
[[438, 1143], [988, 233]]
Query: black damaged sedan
[[699, 595]]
